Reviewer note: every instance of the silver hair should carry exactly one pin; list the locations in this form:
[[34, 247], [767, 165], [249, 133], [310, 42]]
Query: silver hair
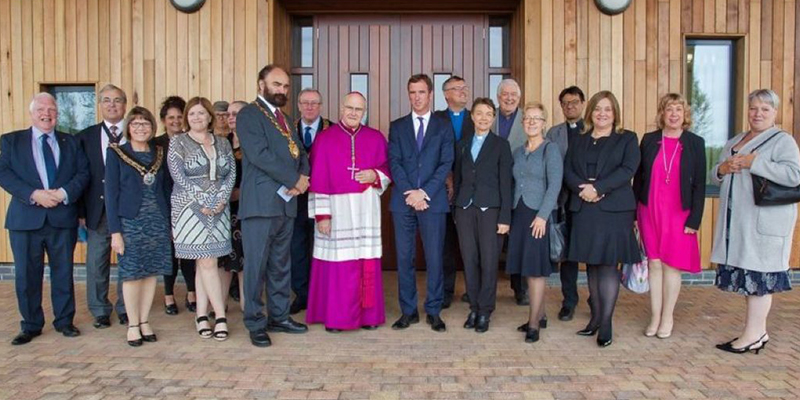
[[39, 96], [310, 90], [764, 96], [109, 87], [511, 82], [240, 103]]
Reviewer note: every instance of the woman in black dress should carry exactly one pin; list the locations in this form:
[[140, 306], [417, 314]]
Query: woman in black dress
[[138, 219], [598, 171], [234, 262]]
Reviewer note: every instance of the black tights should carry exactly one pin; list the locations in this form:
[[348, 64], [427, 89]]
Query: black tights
[[603, 291], [187, 267]]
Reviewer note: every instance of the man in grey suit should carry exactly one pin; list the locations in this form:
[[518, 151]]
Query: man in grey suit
[[508, 125], [572, 102], [275, 171]]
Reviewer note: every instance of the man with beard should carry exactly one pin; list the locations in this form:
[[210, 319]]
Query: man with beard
[[275, 170], [348, 179]]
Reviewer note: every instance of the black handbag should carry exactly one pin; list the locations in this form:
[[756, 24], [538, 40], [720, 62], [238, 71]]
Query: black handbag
[[557, 228], [768, 193]]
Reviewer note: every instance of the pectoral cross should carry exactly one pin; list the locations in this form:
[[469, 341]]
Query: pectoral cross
[[353, 170]]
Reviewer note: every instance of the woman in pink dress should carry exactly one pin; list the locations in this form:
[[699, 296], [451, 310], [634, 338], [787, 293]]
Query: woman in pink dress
[[670, 189]]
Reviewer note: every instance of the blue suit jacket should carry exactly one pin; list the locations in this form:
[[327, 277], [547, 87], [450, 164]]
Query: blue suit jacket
[[19, 177], [429, 166], [124, 186]]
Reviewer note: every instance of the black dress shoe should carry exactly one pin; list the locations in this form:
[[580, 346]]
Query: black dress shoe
[[604, 342], [25, 337], [482, 324], [604, 337], [470, 322], [369, 327], [260, 339], [405, 321], [436, 323], [102, 322], [543, 322], [532, 336], [448, 300], [588, 331], [522, 299], [464, 298], [286, 326], [136, 342], [69, 331], [123, 319], [566, 313], [524, 327], [147, 338], [297, 306], [171, 309], [333, 330]]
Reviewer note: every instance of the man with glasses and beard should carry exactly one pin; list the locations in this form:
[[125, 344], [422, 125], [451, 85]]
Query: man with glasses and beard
[[275, 171]]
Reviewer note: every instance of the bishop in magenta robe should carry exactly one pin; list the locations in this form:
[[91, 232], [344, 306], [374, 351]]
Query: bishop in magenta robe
[[349, 172]]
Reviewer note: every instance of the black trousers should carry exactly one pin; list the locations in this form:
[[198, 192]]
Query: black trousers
[[568, 271], [480, 249], [451, 256], [267, 243], [187, 267], [302, 246]]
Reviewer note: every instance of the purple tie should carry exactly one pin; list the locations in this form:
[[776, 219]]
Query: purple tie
[[420, 133]]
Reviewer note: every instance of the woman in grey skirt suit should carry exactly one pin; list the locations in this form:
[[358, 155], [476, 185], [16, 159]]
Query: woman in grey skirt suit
[[752, 243]]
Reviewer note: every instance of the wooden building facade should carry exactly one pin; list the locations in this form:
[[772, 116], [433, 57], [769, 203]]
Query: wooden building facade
[[152, 50]]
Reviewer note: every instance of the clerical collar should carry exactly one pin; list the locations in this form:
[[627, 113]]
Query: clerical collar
[[456, 113], [348, 130]]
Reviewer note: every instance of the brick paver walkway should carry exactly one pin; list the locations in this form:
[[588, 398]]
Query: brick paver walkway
[[417, 363]]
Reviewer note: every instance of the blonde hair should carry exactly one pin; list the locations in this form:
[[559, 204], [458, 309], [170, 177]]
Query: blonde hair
[[669, 99], [588, 125], [535, 105]]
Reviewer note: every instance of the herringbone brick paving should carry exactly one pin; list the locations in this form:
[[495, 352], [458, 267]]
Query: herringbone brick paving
[[413, 364]]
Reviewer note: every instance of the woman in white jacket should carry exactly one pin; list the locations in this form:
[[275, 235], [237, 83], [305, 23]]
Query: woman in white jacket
[[752, 243]]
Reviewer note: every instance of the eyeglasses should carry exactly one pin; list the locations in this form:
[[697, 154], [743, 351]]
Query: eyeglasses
[[571, 103], [530, 120], [109, 100], [350, 109], [139, 124], [310, 103], [458, 88]]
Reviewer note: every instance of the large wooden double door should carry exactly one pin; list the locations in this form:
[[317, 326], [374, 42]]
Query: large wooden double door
[[379, 53]]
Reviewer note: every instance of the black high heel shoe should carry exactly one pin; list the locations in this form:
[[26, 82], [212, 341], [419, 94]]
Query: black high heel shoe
[[526, 326], [728, 346], [532, 336], [147, 338], [137, 342], [588, 331]]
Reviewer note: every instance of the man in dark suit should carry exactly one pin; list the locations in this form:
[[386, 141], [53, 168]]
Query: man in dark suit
[[45, 171], [309, 102], [456, 93], [572, 102], [274, 172], [420, 157], [92, 207]]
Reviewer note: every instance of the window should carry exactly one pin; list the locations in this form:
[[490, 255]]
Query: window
[[76, 106], [360, 83], [499, 59], [712, 91], [302, 71], [439, 103]]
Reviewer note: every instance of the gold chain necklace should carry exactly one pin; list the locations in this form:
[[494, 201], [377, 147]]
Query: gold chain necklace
[[148, 174], [293, 149]]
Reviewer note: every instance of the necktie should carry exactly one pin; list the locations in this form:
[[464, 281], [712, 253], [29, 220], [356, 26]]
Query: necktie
[[49, 161], [420, 133], [114, 136], [281, 120], [307, 137]]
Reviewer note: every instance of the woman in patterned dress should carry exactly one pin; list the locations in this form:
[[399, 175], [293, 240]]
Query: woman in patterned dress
[[137, 207], [203, 170]]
